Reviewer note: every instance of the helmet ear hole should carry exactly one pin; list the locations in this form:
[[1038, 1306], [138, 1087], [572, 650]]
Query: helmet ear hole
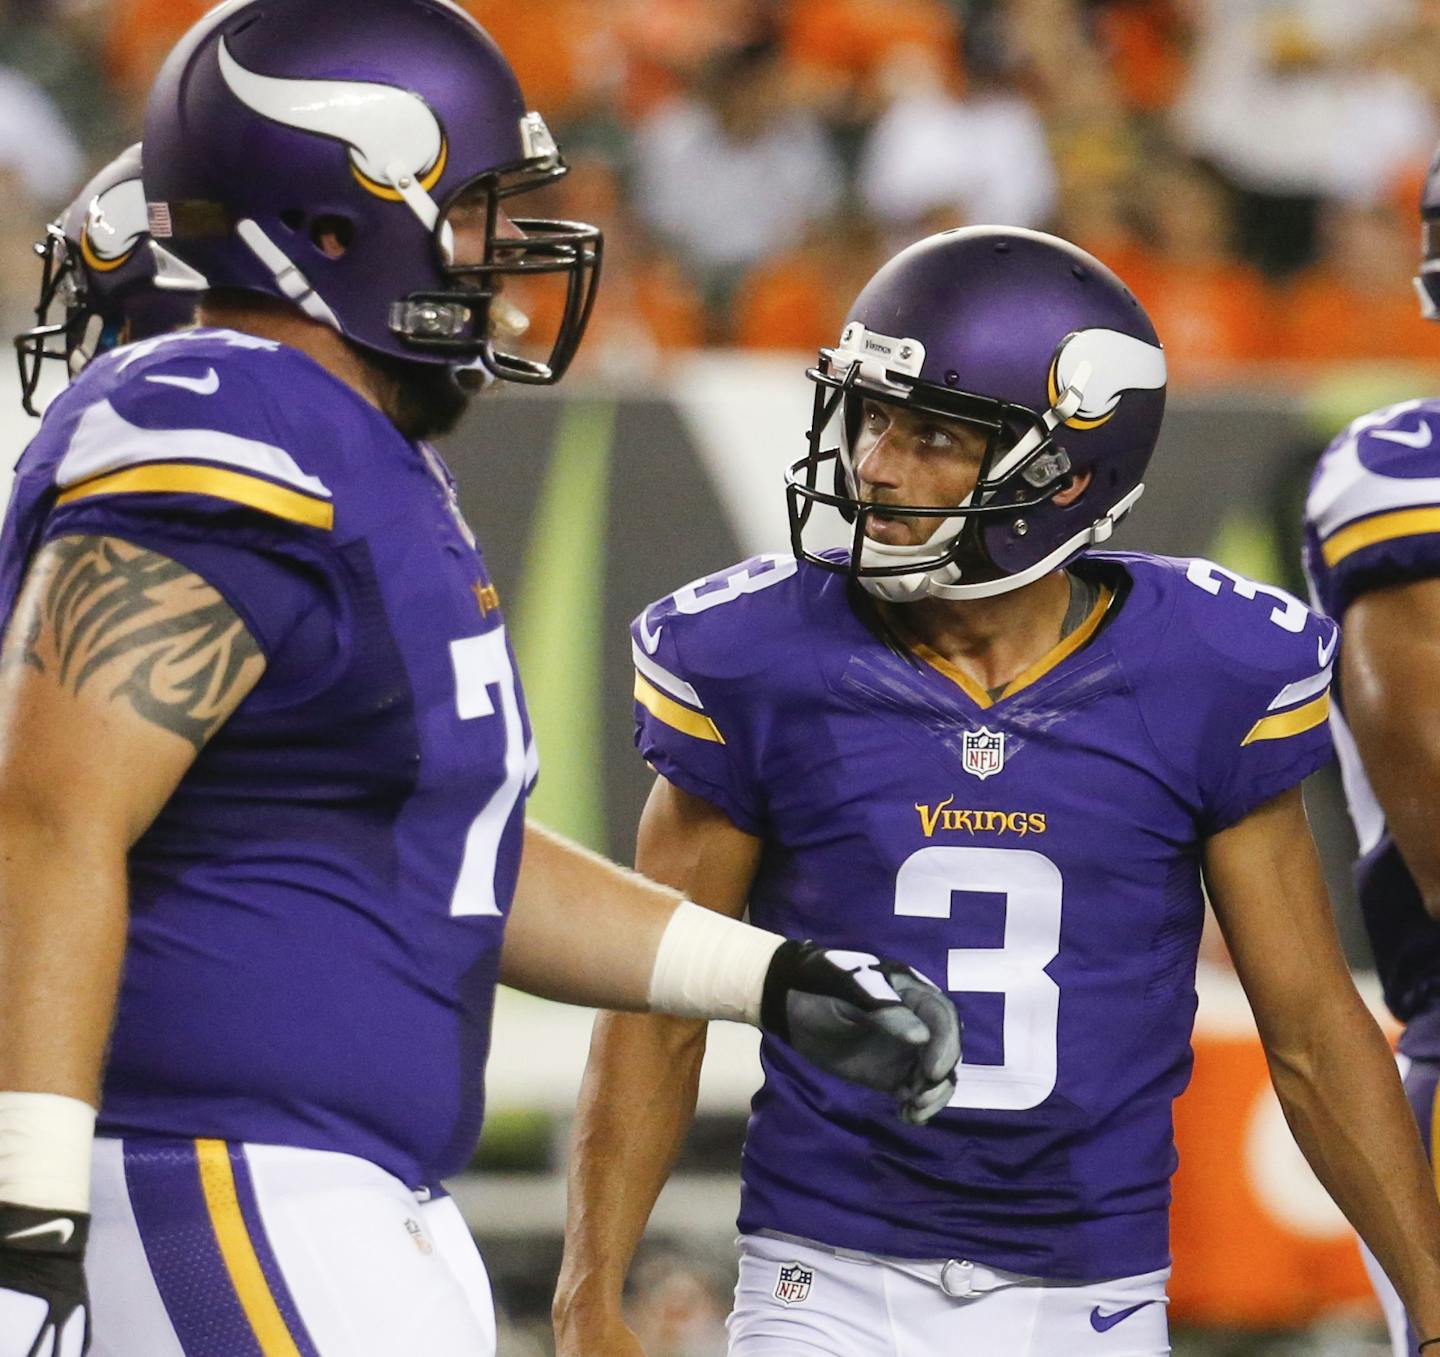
[[292, 218], [332, 235]]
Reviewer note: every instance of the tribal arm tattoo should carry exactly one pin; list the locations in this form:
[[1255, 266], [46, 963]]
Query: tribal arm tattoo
[[148, 631]]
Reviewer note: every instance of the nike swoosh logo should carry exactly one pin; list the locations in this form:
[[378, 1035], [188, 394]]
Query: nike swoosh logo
[[649, 639], [1103, 1323], [207, 385], [1417, 438], [1324, 652], [63, 1230]]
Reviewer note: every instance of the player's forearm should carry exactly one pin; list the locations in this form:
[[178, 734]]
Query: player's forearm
[[636, 1103], [584, 931], [581, 929], [1343, 1100], [63, 915]]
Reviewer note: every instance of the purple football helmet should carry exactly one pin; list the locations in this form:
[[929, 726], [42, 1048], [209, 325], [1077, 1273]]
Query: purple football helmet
[[325, 154], [1031, 341], [98, 270], [1427, 281]]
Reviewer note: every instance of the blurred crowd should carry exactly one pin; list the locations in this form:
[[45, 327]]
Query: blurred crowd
[[1251, 167]]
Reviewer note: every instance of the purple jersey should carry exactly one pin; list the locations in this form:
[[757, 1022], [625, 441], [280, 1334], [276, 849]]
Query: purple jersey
[[1372, 518], [1037, 854], [316, 914]]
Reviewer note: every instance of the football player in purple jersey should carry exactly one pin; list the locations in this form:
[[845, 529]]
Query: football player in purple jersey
[[1372, 555], [99, 274], [263, 752], [970, 738]]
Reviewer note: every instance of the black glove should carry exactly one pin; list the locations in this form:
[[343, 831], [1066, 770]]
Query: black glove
[[877, 1023], [43, 1300]]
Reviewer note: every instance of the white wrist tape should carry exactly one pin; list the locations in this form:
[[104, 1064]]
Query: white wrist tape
[[709, 966], [45, 1142]]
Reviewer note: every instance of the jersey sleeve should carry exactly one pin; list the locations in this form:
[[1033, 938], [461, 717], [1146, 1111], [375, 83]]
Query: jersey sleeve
[[1372, 515], [209, 484], [705, 662], [1236, 694]]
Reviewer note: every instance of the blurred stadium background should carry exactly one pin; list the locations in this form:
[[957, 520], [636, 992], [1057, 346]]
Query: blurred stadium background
[[1250, 167]]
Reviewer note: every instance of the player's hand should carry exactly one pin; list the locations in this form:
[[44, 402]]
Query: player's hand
[[44, 1306], [875, 1022]]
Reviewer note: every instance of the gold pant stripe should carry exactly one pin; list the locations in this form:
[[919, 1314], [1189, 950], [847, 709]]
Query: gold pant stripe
[[217, 1181]]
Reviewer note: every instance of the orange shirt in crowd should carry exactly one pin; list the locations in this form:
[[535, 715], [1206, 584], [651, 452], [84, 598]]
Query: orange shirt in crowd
[[558, 59], [788, 303], [1211, 316], [855, 38], [1144, 42], [140, 36], [1325, 319]]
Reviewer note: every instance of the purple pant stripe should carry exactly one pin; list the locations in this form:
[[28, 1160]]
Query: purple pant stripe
[[163, 1180]]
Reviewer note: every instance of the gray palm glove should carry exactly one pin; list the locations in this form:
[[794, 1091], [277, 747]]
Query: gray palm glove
[[872, 1021]]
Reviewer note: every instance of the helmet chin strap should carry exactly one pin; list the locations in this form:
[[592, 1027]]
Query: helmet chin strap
[[293, 284], [941, 581], [1093, 535]]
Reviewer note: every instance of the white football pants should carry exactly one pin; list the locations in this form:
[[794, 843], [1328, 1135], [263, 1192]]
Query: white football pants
[[199, 1248], [802, 1300]]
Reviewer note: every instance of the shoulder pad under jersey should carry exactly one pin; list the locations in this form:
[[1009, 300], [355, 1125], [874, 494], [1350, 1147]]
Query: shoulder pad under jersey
[[1233, 683], [1372, 516], [707, 661]]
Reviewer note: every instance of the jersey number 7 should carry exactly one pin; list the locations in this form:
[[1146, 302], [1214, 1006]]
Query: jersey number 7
[[482, 664]]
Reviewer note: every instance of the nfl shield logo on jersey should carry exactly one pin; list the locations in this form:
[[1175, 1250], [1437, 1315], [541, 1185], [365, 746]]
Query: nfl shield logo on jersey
[[793, 1284], [982, 752]]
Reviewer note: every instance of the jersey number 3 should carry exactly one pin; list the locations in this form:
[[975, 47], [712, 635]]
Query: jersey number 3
[[1031, 886]]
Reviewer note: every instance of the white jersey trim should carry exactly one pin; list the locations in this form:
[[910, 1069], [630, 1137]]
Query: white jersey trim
[[663, 679], [104, 441], [1346, 489]]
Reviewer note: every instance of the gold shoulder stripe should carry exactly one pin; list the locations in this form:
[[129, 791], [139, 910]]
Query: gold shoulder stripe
[[669, 711], [184, 478], [217, 1182], [1380, 528], [1286, 723]]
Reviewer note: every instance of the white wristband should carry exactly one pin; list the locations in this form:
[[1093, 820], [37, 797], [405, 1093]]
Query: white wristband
[[45, 1142], [708, 966]]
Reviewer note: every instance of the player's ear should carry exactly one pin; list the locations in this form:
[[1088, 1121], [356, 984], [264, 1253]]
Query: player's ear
[[1079, 482]]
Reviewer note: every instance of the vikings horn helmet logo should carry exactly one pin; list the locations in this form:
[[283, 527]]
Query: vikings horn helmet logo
[[393, 135], [115, 224], [1118, 363]]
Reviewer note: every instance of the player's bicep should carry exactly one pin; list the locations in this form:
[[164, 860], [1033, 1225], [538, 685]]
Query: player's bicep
[[1264, 880], [1389, 664], [118, 665], [686, 842]]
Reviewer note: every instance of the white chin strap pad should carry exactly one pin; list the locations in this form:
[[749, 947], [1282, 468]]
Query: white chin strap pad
[[288, 278]]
